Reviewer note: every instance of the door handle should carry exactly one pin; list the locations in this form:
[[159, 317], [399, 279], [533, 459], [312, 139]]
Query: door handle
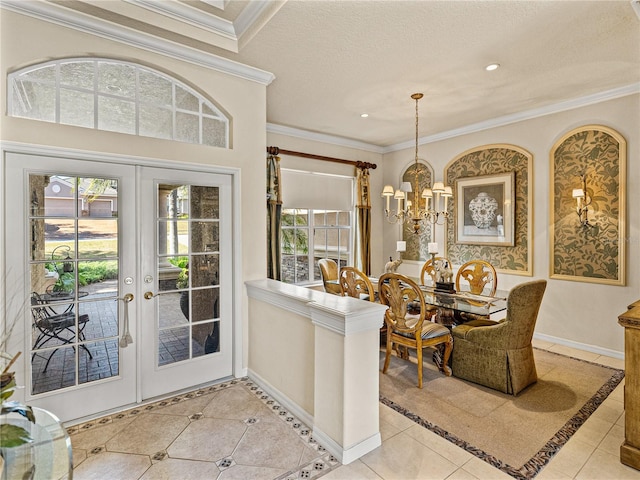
[[148, 295]]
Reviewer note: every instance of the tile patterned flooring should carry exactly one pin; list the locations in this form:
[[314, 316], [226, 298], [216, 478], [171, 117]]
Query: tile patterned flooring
[[172, 440]]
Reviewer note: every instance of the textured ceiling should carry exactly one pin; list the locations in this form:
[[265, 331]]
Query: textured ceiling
[[335, 59]]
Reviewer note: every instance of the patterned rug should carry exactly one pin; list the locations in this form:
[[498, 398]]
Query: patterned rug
[[518, 435]]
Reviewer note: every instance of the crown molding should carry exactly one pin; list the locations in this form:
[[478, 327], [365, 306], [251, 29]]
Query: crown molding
[[521, 116], [323, 138], [68, 18], [475, 127], [182, 11]]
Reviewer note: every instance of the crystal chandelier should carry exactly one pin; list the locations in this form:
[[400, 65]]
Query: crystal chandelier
[[418, 212]]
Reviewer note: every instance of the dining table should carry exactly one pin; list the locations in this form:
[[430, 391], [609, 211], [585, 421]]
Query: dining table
[[447, 304]]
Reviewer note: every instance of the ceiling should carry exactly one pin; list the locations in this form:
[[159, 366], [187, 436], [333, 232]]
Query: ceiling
[[335, 59]]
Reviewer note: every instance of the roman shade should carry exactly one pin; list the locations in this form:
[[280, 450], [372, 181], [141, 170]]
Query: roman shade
[[317, 191]]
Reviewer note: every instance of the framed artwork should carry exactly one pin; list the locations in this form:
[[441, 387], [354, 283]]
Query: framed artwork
[[484, 209]]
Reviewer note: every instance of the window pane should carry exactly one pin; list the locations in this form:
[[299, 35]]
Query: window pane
[[156, 122], [187, 128], [205, 202], [214, 132], [77, 74], [34, 100], [173, 346], [117, 79], [116, 115], [99, 197], [97, 238], [205, 237], [155, 89], [186, 100], [204, 270], [76, 108]]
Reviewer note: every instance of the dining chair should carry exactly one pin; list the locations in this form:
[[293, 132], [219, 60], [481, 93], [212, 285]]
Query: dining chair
[[499, 355], [407, 323], [329, 273], [55, 329], [480, 276], [429, 269], [356, 284]]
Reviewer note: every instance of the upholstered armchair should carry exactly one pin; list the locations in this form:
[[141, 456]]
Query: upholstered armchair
[[499, 355], [329, 273]]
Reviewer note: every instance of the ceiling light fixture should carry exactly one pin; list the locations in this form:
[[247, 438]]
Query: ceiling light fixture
[[491, 67], [419, 212], [364, 115]]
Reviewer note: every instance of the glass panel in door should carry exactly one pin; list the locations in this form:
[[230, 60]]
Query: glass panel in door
[[73, 244], [188, 267]]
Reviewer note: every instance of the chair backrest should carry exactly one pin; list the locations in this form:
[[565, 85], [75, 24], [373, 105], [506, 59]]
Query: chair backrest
[[523, 305], [329, 272], [356, 284], [480, 276], [429, 268], [403, 297]]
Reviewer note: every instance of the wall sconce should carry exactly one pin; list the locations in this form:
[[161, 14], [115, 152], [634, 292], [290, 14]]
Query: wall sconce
[[582, 203]]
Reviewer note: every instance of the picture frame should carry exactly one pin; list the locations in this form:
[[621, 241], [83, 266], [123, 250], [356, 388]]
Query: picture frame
[[484, 210]]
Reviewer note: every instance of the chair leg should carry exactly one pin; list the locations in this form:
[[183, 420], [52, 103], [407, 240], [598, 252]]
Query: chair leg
[[387, 356], [419, 357], [448, 347]]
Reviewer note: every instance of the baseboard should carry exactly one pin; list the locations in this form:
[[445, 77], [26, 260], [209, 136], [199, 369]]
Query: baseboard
[[579, 346], [281, 398], [346, 456], [343, 455]]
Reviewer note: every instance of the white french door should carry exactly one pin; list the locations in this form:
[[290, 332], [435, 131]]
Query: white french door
[[68, 265], [186, 266], [98, 256]]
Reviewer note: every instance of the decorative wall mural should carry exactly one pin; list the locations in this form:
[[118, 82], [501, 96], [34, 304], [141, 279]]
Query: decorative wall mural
[[417, 244], [512, 256], [588, 175]]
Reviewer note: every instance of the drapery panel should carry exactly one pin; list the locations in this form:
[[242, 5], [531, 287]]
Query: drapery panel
[[363, 231], [274, 214]]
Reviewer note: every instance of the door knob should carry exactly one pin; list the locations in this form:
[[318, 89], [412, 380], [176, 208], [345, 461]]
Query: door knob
[[148, 295]]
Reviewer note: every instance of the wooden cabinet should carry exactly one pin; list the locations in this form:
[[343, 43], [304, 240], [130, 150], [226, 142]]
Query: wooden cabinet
[[630, 448]]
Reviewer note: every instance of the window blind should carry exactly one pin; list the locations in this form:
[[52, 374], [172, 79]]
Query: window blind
[[317, 191]]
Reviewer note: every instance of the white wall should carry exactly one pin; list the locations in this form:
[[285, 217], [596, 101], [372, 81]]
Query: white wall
[[579, 314]]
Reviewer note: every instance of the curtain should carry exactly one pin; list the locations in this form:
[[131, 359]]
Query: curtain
[[363, 231], [274, 213]]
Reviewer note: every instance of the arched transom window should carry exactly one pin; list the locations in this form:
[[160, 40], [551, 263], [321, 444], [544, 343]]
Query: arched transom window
[[116, 96]]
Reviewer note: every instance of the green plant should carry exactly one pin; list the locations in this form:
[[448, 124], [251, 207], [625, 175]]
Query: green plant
[[183, 277], [293, 240]]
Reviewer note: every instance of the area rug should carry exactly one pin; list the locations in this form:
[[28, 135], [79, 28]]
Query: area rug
[[518, 435]]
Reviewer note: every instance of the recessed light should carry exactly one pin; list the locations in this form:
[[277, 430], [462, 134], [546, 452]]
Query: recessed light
[[364, 115], [491, 67]]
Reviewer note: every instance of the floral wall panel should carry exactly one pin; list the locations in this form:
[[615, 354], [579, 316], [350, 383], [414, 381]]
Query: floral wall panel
[[592, 252], [493, 160]]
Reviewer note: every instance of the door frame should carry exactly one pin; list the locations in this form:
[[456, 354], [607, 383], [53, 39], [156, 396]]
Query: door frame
[[86, 155]]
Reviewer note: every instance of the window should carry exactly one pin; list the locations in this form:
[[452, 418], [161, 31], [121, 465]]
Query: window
[[301, 249], [116, 96]]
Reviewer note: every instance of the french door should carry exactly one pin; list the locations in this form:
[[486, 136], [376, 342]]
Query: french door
[[98, 257], [186, 270]]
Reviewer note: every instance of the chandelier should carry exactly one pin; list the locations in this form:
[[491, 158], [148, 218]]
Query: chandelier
[[425, 207]]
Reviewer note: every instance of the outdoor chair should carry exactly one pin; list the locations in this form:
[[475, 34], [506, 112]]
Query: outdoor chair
[[54, 329]]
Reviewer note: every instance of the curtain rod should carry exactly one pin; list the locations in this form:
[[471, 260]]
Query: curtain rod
[[357, 163]]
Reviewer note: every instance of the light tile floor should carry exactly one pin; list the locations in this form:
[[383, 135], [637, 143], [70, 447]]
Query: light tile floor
[[174, 442]]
